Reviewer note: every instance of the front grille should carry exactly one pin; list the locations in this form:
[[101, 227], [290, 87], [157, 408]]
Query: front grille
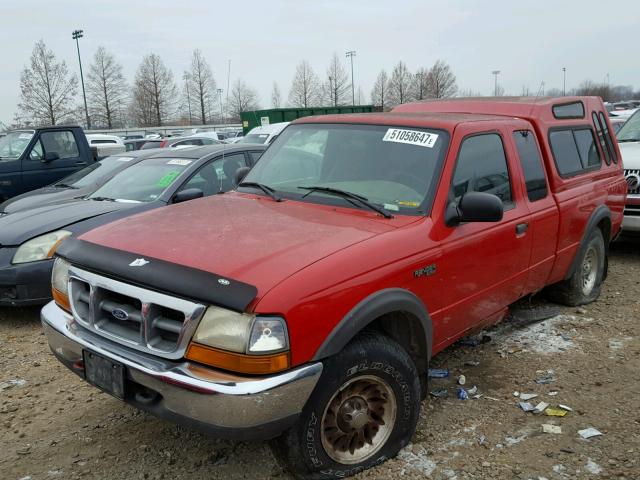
[[633, 181], [139, 318], [632, 211]]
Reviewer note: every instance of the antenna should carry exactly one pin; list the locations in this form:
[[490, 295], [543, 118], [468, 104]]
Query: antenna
[[535, 100]]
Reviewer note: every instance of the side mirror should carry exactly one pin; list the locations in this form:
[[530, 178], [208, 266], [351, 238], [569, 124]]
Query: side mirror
[[94, 153], [188, 194], [50, 157], [240, 174], [474, 207]]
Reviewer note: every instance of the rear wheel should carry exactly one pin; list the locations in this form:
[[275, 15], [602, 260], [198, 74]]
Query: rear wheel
[[585, 283], [363, 411]]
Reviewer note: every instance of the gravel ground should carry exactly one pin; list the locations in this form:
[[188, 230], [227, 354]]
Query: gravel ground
[[56, 426]]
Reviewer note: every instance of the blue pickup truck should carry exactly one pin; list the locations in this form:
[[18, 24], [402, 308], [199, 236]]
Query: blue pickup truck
[[31, 159]]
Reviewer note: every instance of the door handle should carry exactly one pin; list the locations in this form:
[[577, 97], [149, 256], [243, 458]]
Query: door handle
[[522, 228], [81, 163]]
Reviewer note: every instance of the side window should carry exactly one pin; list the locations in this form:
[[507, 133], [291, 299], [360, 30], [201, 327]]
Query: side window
[[574, 150], [255, 156], [603, 142], [217, 176], [482, 167], [531, 162], [607, 137], [36, 152], [63, 143]]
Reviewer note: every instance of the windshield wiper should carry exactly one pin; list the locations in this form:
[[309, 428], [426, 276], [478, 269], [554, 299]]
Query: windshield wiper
[[63, 185], [265, 188], [628, 140], [102, 199], [347, 195]]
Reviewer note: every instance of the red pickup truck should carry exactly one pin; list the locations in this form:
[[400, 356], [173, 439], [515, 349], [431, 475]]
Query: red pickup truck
[[304, 307]]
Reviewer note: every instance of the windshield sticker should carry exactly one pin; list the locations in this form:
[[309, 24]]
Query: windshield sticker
[[25, 136], [408, 204], [412, 137], [168, 179], [179, 161], [125, 159], [391, 206]]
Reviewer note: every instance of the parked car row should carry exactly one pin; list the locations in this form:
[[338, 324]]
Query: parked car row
[[302, 300]]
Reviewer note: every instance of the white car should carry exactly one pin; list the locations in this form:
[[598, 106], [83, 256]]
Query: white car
[[106, 144], [629, 141], [264, 135]]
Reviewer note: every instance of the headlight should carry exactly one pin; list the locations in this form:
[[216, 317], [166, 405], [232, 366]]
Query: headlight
[[39, 248], [242, 333], [240, 342], [60, 283]]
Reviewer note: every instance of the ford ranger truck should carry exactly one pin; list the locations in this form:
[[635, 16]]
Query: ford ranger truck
[[629, 140], [304, 307]]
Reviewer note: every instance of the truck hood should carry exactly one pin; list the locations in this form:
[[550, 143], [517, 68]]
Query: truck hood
[[18, 227], [630, 152], [41, 197], [248, 238]]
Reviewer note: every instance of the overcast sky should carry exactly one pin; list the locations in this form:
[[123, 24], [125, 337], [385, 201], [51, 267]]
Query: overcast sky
[[529, 42]]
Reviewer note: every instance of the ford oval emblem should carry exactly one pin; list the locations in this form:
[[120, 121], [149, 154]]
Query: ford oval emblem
[[119, 314], [223, 281]]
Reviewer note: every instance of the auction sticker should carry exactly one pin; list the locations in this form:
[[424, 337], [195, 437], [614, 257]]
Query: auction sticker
[[412, 137], [179, 161]]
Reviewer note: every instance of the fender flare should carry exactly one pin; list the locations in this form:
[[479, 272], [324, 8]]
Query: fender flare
[[369, 309], [600, 213]]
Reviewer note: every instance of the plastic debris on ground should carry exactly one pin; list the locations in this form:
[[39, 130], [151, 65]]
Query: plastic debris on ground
[[526, 406], [438, 373], [473, 390], [545, 380], [462, 380], [546, 428], [527, 396], [555, 412], [589, 432], [552, 394], [440, 393], [462, 394], [471, 363], [565, 407], [541, 407]]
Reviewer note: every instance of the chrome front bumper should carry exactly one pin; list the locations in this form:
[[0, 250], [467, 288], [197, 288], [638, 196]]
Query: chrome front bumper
[[631, 223], [224, 404]]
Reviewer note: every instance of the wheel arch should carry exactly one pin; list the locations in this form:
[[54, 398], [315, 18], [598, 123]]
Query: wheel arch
[[601, 219], [395, 312]]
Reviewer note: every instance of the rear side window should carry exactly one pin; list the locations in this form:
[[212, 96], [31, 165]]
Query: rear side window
[[482, 167], [601, 140], [607, 137], [531, 164], [569, 110], [574, 150]]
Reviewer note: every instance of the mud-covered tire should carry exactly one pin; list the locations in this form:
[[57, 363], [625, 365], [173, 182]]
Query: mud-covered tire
[[584, 285], [374, 373]]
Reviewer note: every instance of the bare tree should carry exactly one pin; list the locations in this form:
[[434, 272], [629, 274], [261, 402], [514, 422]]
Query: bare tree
[[106, 88], [469, 93], [591, 88], [276, 97], [379, 92], [47, 90], [154, 92], [441, 82], [305, 88], [337, 87], [399, 85], [420, 84], [243, 98], [201, 86]]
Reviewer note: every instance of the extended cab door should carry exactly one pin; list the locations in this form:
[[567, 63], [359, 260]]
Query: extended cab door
[[483, 267], [55, 154]]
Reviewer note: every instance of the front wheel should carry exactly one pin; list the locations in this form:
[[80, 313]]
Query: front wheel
[[585, 283], [363, 411]]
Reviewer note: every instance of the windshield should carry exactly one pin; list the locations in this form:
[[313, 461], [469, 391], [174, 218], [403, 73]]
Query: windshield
[[630, 131], [13, 144], [94, 172], [393, 167], [143, 182], [260, 138]]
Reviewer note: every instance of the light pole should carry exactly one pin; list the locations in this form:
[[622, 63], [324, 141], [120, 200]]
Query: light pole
[[76, 34], [350, 54], [186, 82], [495, 74], [226, 103], [221, 112], [564, 81]]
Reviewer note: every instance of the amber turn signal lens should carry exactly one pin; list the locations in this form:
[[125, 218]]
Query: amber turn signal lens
[[235, 362], [61, 299]]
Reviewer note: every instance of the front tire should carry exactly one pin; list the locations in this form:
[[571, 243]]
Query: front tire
[[363, 411], [584, 285]]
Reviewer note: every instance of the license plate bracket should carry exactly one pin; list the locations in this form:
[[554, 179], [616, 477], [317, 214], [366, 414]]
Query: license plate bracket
[[104, 373]]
